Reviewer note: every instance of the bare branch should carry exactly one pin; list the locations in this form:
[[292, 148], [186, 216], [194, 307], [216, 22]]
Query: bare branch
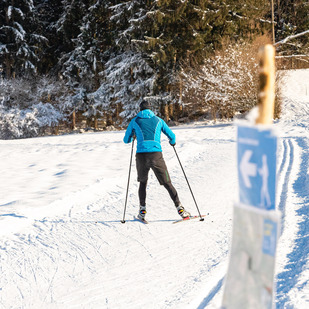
[[292, 37]]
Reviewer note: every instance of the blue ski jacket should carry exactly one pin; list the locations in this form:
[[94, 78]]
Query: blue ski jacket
[[147, 128]]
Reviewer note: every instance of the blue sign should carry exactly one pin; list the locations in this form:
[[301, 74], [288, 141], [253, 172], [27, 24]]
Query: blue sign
[[257, 167], [270, 237]]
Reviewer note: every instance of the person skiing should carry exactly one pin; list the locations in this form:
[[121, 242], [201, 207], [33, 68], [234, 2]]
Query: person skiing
[[147, 128]]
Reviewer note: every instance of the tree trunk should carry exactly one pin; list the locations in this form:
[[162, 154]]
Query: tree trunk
[[171, 110], [165, 112], [73, 120]]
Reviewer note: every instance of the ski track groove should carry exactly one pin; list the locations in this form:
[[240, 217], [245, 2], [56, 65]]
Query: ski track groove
[[213, 292], [49, 290], [285, 177], [297, 257]]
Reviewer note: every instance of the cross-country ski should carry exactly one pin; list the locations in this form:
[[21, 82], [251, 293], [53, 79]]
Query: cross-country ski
[[189, 218], [137, 218]]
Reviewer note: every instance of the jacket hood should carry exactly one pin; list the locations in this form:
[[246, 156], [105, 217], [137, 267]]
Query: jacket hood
[[146, 113]]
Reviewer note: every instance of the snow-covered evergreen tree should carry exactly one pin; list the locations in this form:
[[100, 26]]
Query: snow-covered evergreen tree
[[19, 42], [127, 76], [69, 27], [130, 20], [85, 62], [48, 14], [127, 80]]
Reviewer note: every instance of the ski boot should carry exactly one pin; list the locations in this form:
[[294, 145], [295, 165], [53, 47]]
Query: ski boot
[[142, 213], [182, 212]]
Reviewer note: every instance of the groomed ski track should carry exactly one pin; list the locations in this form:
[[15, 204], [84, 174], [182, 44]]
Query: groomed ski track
[[62, 258], [293, 249]]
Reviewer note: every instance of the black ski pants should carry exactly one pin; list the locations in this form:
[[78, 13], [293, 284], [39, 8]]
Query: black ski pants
[[154, 161]]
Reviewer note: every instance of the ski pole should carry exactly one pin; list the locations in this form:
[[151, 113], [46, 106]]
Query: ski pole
[[125, 205], [201, 219]]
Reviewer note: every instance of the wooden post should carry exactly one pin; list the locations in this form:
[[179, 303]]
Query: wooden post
[[74, 120], [267, 85]]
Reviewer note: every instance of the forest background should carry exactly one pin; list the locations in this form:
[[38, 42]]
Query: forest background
[[75, 65]]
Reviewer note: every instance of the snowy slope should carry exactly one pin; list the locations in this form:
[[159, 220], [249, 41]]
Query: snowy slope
[[62, 198]]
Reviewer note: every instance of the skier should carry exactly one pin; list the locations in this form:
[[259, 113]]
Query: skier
[[147, 128], [264, 190]]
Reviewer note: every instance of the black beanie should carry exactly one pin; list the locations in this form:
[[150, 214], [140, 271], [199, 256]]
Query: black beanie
[[144, 105]]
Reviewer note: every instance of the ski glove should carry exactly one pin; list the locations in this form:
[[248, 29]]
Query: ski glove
[[173, 144]]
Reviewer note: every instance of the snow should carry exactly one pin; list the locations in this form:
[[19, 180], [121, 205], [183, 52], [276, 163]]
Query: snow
[[292, 37], [62, 199], [12, 9]]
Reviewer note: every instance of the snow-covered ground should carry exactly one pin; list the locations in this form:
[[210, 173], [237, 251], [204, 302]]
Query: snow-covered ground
[[62, 198]]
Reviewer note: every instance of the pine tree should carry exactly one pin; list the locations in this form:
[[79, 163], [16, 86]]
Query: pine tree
[[164, 33], [69, 28], [19, 42], [48, 13], [129, 22], [127, 76], [86, 61], [249, 18], [181, 28], [128, 79]]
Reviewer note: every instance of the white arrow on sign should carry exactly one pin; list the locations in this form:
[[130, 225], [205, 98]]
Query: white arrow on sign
[[247, 168]]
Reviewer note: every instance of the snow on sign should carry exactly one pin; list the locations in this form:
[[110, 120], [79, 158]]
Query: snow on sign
[[257, 167], [249, 281]]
